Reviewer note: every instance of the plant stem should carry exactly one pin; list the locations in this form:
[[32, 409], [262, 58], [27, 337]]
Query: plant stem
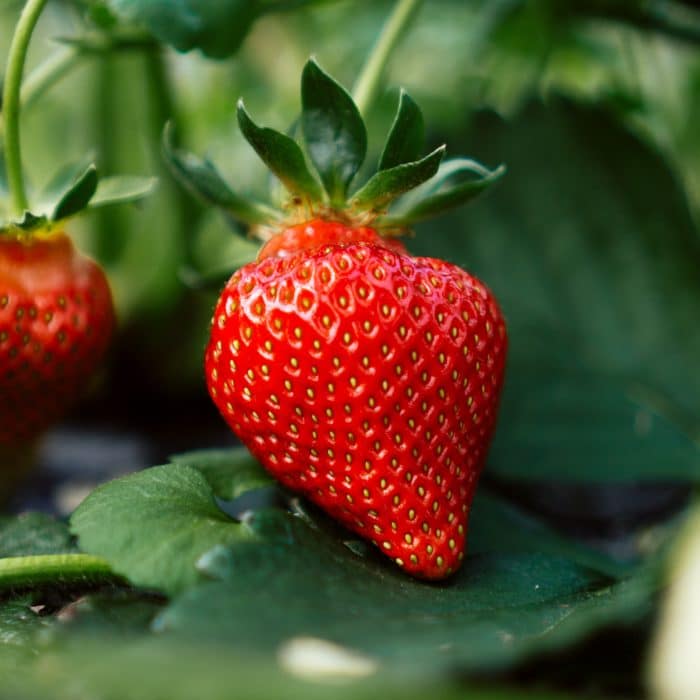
[[11, 103], [367, 84], [21, 572]]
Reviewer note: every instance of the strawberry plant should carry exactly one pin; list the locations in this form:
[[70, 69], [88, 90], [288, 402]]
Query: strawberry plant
[[263, 570]]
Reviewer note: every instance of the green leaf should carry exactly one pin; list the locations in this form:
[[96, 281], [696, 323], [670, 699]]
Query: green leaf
[[153, 526], [386, 185], [120, 189], [202, 179], [34, 534], [230, 473], [283, 156], [109, 614], [188, 25], [77, 196], [586, 427], [593, 254], [333, 129], [278, 577], [495, 525], [442, 193], [162, 667], [406, 136], [298, 582], [19, 628]]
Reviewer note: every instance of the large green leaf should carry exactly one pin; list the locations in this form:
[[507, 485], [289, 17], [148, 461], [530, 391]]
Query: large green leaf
[[154, 525], [594, 259], [579, 425], [254, 586], [299, 582], [143, 669], [495, 525], [19, 625], [34, 534]]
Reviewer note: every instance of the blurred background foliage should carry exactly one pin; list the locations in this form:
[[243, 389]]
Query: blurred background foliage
[[638, 58]]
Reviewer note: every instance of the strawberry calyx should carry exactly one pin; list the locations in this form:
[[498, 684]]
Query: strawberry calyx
[[319, 168], [74, 189], [320, 232]]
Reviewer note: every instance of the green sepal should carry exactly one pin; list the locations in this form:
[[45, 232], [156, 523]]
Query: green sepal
[[406, 138], [441, 193], [62, 180], [283, 156], [386, 185], [202, 179], [28, 222], [334, 133], [78, 194], [121, 189]]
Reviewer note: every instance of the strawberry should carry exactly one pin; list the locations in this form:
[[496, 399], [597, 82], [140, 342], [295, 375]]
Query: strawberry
[[362, 377], [368, 381], [56, 320], [56, 314]]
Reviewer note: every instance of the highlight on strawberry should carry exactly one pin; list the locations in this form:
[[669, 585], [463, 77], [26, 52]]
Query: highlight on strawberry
[[360, 376]]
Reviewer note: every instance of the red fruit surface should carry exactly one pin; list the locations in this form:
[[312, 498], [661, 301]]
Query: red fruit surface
[[319, 232], [368, 381], [56, 321]]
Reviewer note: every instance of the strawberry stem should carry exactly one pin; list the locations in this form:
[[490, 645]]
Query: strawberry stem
[[367, 84], [11, 103], [65, 569]]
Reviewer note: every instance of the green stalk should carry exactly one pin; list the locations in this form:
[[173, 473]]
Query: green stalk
[[54, 569], [367, 84], [11, 103]]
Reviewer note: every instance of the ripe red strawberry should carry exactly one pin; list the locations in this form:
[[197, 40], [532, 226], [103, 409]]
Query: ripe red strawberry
[[56, 321], [367, 380], [56, 314], [360, 376]]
